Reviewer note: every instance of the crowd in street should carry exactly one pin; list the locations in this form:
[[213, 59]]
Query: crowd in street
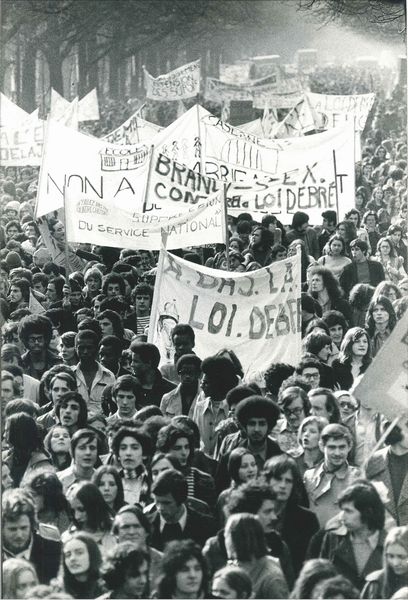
[[124, 476]]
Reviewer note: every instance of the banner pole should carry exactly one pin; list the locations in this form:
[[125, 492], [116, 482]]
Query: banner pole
[[157, 285], [40, 175], [149, 176], [66, 249], [336, 184], [225, 210], [199, 137]]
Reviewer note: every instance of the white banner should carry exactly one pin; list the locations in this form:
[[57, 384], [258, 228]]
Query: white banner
[[103, 223], [88, 107], [181, 83], [257, 314], [300, 120], [133, 131], [237, 73], [58, 106], [22, 145], [336, 110], [11, 115]]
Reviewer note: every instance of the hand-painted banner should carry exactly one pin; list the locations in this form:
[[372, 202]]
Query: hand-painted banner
[[272, 99], [257, 314], [103, 223], [335, 110], [388, 394], [133, 131], [181, 83], [256, 90], [237, 73], [11, 115], [300, 120]]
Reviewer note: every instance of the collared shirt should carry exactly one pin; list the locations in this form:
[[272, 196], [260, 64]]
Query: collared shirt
[[288, 440], [93, 396], [207, 419], [69, 476], [24, 554], [172, 404], [363, 548], [182, 520]]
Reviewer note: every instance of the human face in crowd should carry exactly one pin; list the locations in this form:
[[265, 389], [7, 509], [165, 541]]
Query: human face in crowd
[[310, 436], [324, 353], [86, 453], [130, 529], [55, 340], [126, 401], [267, 515], [281, 255], [24, 582], [351, 517], [403, 443], [145, 262], [51, 293], [303, 228], [142, 305], [328, 225], [97, 307], [353, 217], [282, 486], [181, 450], [319, 406], [188, 580], [404, 288], [335, 453], [60, 440], [134, 585], [69, 413], [221, 589], [76, 557], [108, 488], [248, 469], [183, 344], [87, 351], [12, 231], [130, 453], [397, 558], [294, 413], [316, 284], [67, 354], [385, 249], [391, 295], [7, 390], [36, 343], [16, 534], [380, 315], [358, 255], [160, 466], [342, 231], [336, 334], [396, 238], [336, 248], [59, 232], [370, 223], [256, 236], [360, 347], [6, 480], [189, 375], [106, 326], [93, 284], [347, 405], [168, 508], [39, 287], [75, 299], [234, 245], [257, 430], [140, 368], [15, 295], [113, 290]]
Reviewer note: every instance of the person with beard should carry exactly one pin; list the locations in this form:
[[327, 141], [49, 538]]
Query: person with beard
[[256, 416], [183, 399], [183, 339], [35, 331], [92, 377], [260, 247], [145, 362], [177, 441], [257, 499]]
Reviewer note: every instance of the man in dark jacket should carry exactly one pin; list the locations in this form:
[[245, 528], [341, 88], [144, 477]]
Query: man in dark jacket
[[301, 230], [173, 520], [362, 269], [21, 539], [145, 362]]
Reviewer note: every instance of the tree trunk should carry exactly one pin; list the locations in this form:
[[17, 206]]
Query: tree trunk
[[55, 68], [82, 69], [27, 98]]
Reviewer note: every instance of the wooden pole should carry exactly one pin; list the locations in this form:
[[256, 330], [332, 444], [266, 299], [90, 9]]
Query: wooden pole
[[149, 176], [225, 211]]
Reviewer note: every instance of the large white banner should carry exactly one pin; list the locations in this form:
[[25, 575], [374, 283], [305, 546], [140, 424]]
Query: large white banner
[[133, 131], [88, 107], [181, 83], [103, 222], [58, 106], [237, 73], [23, 144], [335, 110], [11, 115], [256, 314]]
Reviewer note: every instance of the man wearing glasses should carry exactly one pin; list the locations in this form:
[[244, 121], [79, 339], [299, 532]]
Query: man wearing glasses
[[295, 406]]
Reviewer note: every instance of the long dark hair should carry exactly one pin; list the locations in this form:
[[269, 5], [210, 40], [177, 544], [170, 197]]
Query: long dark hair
[[47, 485], [385, 303], [47, 445], [97, 511], [234, 462], [276, 466], [346, 356], [111, 470], [71, 584], [175, 556], [329, 281]]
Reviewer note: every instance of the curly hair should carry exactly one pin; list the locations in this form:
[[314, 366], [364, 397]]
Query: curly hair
[[330, 283], [313, 572], [352, 336], [37, 324], [176, 555], [123, 561], [46, 484]]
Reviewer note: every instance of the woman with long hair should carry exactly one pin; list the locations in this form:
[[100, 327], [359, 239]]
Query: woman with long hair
[[392, 263], [183, 572], [81, 563], [259, 249], [335, 257], [52, 506], [385, 582], [26, 451], [57, 442], [380, 321], [354, 357], [347, 230], [389, 290], [246, 548], [242, 468], [231, 582], [110, 484], [312, 573], [359, 299], [19, 576], [90, 513], [325, 288], [295, 523], [67, 350]]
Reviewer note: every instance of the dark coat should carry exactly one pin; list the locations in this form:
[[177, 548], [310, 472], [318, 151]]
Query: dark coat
[[339, 550], [45, 556], [198, 527], [204, 487], [299, 525], [348, 278]]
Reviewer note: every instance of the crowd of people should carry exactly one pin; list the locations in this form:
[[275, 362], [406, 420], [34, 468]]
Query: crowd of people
[[126, 476]]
